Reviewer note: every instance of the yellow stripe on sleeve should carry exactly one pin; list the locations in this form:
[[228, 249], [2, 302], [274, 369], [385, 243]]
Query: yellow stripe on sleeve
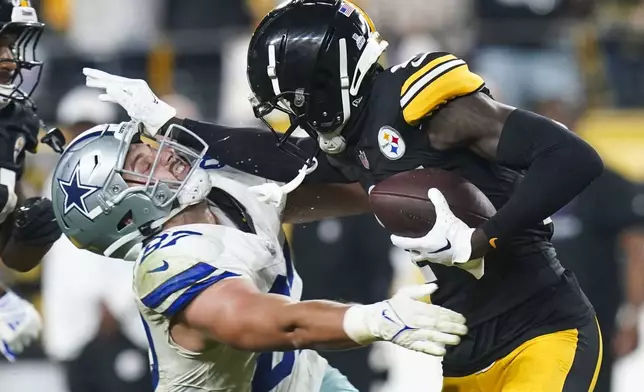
[[424, 71], [451, 79]]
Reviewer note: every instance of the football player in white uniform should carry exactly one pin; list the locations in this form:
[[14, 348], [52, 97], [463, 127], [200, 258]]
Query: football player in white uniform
[[213, 277]]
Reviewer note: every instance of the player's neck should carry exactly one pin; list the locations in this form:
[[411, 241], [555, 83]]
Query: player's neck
[[199, 213]]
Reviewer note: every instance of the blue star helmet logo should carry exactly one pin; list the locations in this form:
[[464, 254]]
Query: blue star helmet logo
[[76, 193]]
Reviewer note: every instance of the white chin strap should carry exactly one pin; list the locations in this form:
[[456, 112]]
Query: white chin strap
[[335, 143], [193, 192], [275, 195]]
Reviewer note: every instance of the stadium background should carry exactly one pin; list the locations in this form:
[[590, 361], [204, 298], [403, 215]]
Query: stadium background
[[578, 61]]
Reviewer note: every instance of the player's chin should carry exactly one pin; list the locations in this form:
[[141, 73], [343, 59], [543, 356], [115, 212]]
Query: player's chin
[[181, 176]]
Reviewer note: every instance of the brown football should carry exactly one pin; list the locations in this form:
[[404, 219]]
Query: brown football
[[401, 204]]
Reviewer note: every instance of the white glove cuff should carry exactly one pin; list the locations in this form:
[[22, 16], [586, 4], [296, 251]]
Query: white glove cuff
[[163, 114], [463, 248], [356, 324]]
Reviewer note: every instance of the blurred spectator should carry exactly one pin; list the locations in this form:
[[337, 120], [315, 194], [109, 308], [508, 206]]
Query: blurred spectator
[[346, 260], [92, 325], [525, 50], [415, 26], [100, 29], [186, 108], [622, 42], [109, 363], [200, 30], [626, 339], [80, 110], [234, 109]]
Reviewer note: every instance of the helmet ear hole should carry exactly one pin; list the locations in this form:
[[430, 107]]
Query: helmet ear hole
[[125, 221]]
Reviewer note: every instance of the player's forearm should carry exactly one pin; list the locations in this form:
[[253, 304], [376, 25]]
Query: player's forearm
[[295, 325], [310, 203], [559, 166], [254, 151], [21, 257]]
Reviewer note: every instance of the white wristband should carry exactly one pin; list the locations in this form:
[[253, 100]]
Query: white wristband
[[356, 325]]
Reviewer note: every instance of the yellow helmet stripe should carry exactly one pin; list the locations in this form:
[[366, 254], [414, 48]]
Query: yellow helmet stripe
[[372, 26]]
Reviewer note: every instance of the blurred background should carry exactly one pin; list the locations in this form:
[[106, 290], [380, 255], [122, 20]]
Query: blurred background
[[580, 62]]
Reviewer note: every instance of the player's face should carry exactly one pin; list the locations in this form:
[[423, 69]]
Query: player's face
[[141, 157], [7, 63]]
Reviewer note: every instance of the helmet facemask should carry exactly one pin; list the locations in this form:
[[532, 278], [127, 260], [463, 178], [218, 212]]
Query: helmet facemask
[[162, 193], [22, 34], [287, 141], [106, 203]]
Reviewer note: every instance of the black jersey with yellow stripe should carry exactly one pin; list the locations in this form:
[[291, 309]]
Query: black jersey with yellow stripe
[[389, 137], [437, 78]]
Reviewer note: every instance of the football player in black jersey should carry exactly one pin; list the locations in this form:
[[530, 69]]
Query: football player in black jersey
[[27, 227], [531, 327]]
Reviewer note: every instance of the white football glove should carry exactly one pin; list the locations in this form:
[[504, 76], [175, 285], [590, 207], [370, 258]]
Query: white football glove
[[20, 325], [134, 95], [407, 321], [447, 243]]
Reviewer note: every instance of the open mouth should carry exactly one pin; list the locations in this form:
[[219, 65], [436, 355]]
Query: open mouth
[[6, 75], [179, 169]]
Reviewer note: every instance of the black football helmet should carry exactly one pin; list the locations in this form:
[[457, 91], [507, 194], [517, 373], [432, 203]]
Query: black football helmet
[[309, 59], [21, 31]]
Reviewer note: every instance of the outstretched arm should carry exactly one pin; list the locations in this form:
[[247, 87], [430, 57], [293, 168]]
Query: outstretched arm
[[268, 321], [235, 313], [255, 151], [325, 193], [314, 202], [247, 149], [558, 164]]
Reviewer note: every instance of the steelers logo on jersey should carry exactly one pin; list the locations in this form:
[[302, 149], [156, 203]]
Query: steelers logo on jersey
[[391, 143]]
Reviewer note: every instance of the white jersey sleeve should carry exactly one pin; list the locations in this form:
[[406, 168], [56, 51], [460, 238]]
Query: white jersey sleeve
[[178, 265]]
